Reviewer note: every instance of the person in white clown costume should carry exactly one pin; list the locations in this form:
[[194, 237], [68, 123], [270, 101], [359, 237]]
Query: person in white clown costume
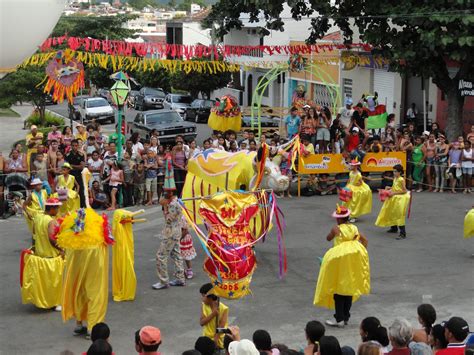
[[361, 201], [43, 264]]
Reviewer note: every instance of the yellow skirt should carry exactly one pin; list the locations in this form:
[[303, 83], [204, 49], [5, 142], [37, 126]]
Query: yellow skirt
[[73, 203], [469, 224], [124, 280], [86, 285], [361, 201], [345, 271], [42, 281], [222, 124], [393, 212]]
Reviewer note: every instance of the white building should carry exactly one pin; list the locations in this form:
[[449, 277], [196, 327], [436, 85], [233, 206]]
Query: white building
[[195, 8]]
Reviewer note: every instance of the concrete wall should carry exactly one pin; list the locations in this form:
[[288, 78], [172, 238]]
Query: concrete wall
[[193, 33], [362, 81]]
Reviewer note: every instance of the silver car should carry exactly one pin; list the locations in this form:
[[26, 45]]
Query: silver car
[[178, 103]]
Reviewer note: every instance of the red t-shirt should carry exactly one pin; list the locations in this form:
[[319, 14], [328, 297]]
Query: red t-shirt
[[352, 142], [405, 351], [452, 349]]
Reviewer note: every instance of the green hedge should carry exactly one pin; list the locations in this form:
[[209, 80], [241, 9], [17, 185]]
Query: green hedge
[[50, 120]]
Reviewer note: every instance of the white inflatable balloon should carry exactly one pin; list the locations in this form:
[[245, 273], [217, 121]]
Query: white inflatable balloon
[[24, 25]]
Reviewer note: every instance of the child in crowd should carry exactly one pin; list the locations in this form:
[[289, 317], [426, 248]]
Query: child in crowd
[[214, 314], [95, 166], [139, 183], [40, 170], [151, 166], [127, 166], [97, 197], [116, 181], [285, 167], [325, 185], [188, 252]]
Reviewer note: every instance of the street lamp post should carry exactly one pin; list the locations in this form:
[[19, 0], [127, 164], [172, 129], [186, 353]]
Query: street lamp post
[[119, 93]]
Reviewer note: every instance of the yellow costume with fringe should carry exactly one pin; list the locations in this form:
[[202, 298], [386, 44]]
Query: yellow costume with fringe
[[345, 269], [85, 290], [124, 280], [469, 224], [73, 201], [36, 207], [223, 124], [394, 208], [43, 270], [361, 201]]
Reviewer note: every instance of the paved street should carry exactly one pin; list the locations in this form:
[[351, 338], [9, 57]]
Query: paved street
[[434, 264]]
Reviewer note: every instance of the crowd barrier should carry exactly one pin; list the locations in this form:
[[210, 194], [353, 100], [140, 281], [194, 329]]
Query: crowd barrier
[[337, 163]]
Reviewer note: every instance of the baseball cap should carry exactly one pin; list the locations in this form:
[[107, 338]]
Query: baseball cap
[[67, 165], [306, 106], [348, 101], [150, 335], [355, 129], [243, 347], [426, 133], [36, 181], [458, 327], [33, 126]]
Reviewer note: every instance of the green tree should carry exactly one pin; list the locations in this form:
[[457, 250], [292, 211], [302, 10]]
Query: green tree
[[20, 86], [98, 27], [160, 78], [418, 37], [172, 4], [140, 4], [196, 83]]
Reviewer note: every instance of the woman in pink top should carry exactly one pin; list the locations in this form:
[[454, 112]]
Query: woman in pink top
[[179, 166], [116, 180]]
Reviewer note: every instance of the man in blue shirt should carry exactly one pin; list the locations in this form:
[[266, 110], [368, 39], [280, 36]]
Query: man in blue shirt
[[292, 123]]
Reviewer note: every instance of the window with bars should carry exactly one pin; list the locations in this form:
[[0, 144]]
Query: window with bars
[[347, 88], [322, 95]]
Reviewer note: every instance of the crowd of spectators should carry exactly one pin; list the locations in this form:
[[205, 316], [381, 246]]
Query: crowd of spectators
[[399, 338], [433, 163]]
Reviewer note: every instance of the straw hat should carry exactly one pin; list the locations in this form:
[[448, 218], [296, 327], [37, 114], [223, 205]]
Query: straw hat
[[341, 212], [36, 181], [67, 166], [355, 162], [53, 201]]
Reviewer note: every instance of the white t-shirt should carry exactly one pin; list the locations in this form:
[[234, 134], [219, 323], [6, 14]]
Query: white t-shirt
[[136, 148], [346, 115], [468, 155]]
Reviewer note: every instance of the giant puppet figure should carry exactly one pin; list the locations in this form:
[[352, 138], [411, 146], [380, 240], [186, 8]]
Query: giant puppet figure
[[215, 170]]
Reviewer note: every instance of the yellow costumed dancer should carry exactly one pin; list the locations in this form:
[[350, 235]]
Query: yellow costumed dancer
[[345, 270], [34, 204], [361, 201], [469, 224], [124, 280], [66, 189], [42, 265], [394, 208], [85, 236]]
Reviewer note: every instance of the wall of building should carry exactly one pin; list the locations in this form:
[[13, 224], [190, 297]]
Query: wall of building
[[193, 33], [361, 80]]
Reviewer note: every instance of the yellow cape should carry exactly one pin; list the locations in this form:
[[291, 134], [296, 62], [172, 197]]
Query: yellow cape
[[124, 280]]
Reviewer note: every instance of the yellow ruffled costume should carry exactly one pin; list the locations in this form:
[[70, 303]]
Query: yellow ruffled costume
[[43, 270], [124, 280], [345, 269], [36, 207], [73, 201], [394, 208], [223, 124], [361, 201], [85, 290], [469, 224]]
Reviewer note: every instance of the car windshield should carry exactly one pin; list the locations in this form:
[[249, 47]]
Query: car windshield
[[78, 100], [154, 92], [165, 117], [208, 103], [182, 99], [97, 103]]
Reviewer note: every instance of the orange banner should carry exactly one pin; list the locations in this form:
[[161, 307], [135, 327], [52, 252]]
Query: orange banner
[[335, 163]]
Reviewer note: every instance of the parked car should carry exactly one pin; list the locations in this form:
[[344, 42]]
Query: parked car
[[96, 108], [199, 111], [178, 102], [149, 98], [48, 99], [73, 110], [105, 93], [269, 124], [132, 97], [168, 124]]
